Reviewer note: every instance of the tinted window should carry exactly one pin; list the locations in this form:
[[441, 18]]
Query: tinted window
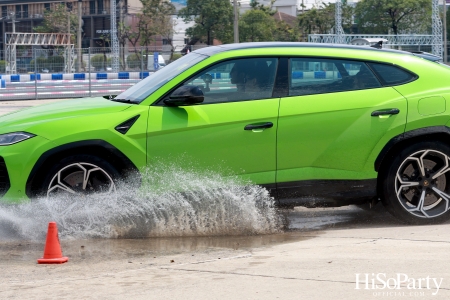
[[316, 76], [391, 75], [237, 80], [146, 87]]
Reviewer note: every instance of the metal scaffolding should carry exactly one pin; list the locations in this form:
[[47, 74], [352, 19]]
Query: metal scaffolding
[[338, 23], [37, 39], [435, 39], [114, 40], [436, 30], [399, 39]]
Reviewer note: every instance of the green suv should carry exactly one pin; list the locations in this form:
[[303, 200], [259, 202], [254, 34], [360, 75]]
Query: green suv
[[315, 124]]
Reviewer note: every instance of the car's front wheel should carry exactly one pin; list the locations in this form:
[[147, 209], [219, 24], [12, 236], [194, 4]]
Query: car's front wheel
[[80, 174], [415, 184]]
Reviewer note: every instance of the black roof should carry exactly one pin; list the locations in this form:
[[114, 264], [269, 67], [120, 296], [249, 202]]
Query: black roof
[[227, 47]]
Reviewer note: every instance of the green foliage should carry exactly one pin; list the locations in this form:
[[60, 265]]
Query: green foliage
[[2, 66], [256, 26], [213, 20], [98, 61], [317, 20], [134, 60], [41, 63], [286, 33], [400, 16]]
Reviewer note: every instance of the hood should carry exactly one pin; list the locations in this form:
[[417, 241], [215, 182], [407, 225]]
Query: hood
[[23, 119]]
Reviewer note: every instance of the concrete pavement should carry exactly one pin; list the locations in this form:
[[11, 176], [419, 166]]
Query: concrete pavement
[[340, 253]]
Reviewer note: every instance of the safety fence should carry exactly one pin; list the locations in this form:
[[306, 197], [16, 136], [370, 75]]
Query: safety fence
[[59, 73]]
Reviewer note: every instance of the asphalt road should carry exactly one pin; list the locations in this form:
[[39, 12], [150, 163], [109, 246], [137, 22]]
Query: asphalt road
[[64, 88]]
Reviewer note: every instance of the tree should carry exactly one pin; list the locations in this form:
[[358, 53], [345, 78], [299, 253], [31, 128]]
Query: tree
[[213, 20], [155, 19], [322, 19], [317, 20], [380, 16], [57, 19], [256, 26], [286, 33], [163, 22]]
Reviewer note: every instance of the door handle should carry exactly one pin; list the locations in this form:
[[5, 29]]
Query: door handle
[[258, 126], [393, 111]]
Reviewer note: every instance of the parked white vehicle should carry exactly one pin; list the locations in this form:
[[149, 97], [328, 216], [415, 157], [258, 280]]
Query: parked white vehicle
[[151, 63]]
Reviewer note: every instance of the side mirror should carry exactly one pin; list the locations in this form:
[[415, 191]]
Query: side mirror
[[185, 95]]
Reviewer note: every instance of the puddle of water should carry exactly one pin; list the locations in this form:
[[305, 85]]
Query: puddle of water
[[98, 249], [208, 205]]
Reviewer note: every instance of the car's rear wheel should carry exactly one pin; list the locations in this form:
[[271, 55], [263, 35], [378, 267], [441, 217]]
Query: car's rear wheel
[[80, 174], [416, 183]]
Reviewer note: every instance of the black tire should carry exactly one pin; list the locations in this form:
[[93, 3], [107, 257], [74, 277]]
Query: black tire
[[82, 174], [413, 196]]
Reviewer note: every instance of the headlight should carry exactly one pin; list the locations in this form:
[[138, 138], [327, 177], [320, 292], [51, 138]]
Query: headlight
[[14, 137]]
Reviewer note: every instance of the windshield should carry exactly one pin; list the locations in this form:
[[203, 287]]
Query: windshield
[[149, 85]]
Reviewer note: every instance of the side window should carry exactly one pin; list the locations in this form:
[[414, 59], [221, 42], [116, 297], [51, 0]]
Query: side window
[[391, 75], [310, 76], [237, 80]]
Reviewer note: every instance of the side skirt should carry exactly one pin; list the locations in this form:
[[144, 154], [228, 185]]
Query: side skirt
[[331, 193]]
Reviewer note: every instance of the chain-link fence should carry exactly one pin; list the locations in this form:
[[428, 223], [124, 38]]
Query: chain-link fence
[[62, 72]]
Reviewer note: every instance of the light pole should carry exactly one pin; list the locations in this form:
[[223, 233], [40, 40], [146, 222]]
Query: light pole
[[12, 16]]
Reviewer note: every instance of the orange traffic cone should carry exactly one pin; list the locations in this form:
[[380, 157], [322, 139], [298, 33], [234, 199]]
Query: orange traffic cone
[[52, 250]]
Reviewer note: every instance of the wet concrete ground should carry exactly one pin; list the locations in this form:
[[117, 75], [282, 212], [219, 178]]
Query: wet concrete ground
[[317, 256]]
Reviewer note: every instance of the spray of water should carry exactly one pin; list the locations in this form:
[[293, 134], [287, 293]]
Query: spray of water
[[170, 202]]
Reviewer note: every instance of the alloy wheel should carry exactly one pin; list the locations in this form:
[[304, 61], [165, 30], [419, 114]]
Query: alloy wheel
[[81, 178], [422, 183]]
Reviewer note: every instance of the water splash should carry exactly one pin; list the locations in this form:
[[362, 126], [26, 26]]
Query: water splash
[[170, 202]]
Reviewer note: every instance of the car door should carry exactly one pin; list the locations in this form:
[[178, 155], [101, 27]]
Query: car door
[[233, 132], [331, 127]]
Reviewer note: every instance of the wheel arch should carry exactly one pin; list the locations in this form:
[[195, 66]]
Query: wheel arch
[[436, 133], [98, 148]]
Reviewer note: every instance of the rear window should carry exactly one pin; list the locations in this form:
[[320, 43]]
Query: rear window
[[391, 75]]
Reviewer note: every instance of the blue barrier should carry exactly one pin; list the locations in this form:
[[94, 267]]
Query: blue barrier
[[218, 75], [123, 75], [32, 77], [297, 75], [57, 76], [15, 78], [142, 75], [2, 83], [102, 76], [320, 74], [79, 76]]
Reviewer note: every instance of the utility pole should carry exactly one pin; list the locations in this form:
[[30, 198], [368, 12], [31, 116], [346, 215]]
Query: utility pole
[[236, 22], [80, 20]]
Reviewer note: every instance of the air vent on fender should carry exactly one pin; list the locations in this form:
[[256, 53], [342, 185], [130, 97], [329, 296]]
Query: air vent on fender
[[125, 126]]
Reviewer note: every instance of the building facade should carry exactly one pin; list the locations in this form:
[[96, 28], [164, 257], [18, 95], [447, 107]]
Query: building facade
[[24, 15]]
